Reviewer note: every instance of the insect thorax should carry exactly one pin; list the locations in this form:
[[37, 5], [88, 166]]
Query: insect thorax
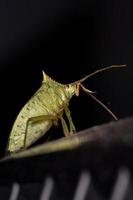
[[54, 94]]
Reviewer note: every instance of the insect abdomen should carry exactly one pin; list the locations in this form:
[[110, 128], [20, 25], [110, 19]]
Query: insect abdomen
[[48, 100], [17, 135]]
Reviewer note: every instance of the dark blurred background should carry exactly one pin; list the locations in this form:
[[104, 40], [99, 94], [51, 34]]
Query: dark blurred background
[[68, 40]]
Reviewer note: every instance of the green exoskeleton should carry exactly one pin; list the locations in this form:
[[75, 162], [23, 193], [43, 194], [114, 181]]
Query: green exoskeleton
[[45, 108]]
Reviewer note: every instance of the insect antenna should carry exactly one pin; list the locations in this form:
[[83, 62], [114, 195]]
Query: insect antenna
[[78, 84], [100, 70], [98, 101]]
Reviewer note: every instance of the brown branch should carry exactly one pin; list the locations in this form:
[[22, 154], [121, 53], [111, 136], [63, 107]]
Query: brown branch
[[107, 134]]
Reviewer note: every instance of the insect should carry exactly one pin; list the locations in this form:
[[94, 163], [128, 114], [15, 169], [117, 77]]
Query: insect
[[45, 108]]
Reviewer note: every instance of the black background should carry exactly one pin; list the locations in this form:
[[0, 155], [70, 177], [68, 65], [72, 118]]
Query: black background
[[67, 39]]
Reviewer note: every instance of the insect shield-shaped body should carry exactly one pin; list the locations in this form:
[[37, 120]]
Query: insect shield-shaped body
[[45, 108]]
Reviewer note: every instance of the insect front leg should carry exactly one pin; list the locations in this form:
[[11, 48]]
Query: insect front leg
[[35, 120], [71, 124], [64, 126]]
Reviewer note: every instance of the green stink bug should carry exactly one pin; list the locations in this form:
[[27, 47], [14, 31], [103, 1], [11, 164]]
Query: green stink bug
[[45, 108]]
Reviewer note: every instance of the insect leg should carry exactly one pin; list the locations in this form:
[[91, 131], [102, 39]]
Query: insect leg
[[64, 126], [37, 119], [71, 124]]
